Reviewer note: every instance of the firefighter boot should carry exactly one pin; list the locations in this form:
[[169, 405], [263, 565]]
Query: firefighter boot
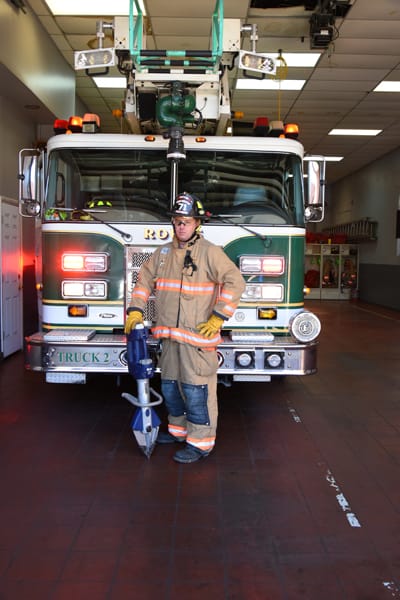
[[189, 454]]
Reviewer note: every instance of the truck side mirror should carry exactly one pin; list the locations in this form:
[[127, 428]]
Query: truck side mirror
[[315, 191], [29, 203]]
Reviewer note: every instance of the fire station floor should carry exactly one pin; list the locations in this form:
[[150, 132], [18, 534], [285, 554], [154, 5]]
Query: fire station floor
[[299, 500]]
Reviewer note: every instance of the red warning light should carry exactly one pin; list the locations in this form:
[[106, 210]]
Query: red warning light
[[60, 126]]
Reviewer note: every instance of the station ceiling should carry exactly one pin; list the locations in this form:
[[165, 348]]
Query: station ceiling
[[364, 50]]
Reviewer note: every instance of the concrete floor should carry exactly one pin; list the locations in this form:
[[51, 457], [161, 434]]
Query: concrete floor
[[299, 500]]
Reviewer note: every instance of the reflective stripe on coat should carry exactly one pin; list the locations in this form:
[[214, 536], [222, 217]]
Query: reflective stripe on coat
[[188, 296]]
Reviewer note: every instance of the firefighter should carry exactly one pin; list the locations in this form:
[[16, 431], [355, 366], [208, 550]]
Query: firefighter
[[197, 287]]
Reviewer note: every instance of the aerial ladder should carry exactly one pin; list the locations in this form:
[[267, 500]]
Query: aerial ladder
[[185, 89]]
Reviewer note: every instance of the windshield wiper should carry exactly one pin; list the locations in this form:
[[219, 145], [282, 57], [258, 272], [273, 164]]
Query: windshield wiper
[[90, 212], [228, 220]]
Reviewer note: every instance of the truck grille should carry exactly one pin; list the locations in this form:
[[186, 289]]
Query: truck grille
[[134, 258]]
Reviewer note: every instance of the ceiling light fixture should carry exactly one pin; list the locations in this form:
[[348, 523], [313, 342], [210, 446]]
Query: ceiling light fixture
[[117, 83], [301, 59], [270, 84], [94, 8], [354, 131], [326, 158], [388, 86]]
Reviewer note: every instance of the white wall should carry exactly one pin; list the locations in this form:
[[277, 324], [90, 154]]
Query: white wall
[[371, 192]]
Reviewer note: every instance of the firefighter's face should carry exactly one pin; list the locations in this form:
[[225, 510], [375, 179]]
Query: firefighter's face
[[184, 227]]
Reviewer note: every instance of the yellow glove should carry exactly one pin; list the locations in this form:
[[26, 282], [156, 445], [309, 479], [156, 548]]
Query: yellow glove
[[210, 327], [134, 318]]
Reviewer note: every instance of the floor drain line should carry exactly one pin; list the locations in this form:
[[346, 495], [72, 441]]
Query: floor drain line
[[293, 413], [341, 500]]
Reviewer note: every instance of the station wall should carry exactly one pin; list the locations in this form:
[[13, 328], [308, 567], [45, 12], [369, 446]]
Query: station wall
[[373, 192]]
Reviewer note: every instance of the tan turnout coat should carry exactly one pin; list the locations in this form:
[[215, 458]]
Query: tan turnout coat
[[188, 296]]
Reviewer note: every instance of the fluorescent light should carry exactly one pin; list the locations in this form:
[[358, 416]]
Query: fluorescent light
[[355, 131], [388, 86], [270, 84], [110, 82], [96, 8], [326, 158], [299, 59]]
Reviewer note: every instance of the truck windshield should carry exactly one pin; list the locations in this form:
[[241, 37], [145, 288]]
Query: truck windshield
[[134, 185]]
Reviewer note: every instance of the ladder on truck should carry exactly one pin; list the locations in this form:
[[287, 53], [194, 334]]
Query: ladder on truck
[[196, 71]]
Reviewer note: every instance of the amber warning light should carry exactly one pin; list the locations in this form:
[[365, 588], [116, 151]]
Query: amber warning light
[[77, 310], [292, 131], [75, 124]]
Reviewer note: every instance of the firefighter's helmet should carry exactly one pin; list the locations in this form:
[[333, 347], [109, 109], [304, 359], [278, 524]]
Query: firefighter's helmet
[[98, 203], [188, 205]]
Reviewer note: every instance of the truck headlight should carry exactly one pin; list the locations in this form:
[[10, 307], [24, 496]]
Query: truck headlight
[[305, 326], [267, 292], [84, 289]]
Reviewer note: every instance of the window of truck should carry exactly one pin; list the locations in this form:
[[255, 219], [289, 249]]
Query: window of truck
[[134, 185]]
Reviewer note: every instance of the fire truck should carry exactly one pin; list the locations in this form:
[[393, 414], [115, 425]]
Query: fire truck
[[100, 202]]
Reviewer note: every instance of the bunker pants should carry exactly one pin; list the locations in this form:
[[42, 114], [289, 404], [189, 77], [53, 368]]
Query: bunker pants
[[189, 387]]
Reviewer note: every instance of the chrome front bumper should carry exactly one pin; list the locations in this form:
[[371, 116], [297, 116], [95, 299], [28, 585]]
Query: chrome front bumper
[[106, 353]]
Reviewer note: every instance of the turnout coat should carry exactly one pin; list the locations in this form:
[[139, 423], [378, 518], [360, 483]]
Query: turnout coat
[[189, 284]]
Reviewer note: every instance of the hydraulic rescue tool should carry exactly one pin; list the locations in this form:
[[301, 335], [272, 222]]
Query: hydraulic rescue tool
[[145, 422]]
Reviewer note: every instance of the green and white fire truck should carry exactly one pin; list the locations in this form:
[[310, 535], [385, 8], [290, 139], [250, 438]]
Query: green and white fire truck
[[101, 201]]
